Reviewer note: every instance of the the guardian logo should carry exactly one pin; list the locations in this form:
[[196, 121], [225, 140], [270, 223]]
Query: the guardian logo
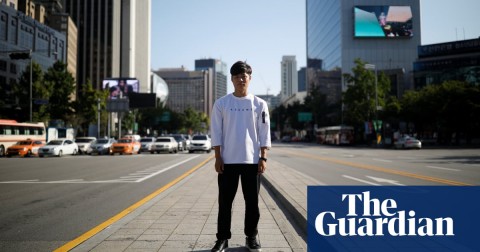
[[379, 218]]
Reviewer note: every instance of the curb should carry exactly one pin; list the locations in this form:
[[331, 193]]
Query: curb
[[292, 209]]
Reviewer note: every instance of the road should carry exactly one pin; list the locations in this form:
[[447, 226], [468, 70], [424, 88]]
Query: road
[[329, 165], [46, 202]]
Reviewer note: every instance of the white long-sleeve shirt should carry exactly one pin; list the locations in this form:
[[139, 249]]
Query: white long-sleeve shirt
[[240, 126]]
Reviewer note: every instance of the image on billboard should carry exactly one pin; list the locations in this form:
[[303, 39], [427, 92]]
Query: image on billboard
[[121, 87], [383, 21]]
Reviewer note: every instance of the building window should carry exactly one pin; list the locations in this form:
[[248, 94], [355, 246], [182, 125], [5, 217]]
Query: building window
[[3, 65], [13, 68]]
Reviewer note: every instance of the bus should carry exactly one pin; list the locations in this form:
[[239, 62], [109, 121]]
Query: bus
[[12, 132], [336, 135]]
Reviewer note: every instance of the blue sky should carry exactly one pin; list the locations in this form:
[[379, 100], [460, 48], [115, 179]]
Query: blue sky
[[256, 31]]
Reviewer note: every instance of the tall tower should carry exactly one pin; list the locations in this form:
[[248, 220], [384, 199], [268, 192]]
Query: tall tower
[[289, 76], [135, 41], [113, 40]]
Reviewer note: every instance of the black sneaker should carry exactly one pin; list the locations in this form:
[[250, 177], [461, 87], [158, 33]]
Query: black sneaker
[[220, 246], [252, 244]]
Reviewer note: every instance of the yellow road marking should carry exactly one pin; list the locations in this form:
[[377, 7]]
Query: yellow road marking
[[380, 169], [87, 235]]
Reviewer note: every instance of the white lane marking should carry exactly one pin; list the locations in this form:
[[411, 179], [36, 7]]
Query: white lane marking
[[382, 160], [383, 180], [20, 181], [166, 169], [360, 180], [64, 181], [132, 178], [442, 168], [478, 165]]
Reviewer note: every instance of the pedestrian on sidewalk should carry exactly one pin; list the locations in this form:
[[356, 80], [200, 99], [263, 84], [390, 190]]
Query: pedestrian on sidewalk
[[240, 129]]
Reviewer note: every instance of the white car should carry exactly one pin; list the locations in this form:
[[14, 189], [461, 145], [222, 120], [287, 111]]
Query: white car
[[168, 144], [201, 143], [58, 147], [84, 144]]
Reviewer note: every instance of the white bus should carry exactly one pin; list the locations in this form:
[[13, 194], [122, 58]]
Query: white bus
[[12, 131], [336, 135]]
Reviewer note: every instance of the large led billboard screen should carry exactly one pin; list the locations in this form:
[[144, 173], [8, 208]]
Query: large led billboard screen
[[383, 21], [121, 87]]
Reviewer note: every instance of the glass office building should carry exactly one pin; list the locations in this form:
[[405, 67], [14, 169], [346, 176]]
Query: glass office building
[[219, 71], [383, 33], [459, 60]]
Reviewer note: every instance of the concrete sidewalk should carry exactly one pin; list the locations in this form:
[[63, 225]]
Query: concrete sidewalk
[[184, 217]]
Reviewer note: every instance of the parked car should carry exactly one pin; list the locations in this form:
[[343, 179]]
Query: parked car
[[182, 142], [286, 139], [102, 146], [84, 144], [58, 147], [408, 142], [201, 143], [147, 144], [126, 145], [24, 148], [167, 143], [189, 141]]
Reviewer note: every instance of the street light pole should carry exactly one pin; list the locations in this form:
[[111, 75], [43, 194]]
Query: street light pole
[[98, 121], [373, 67], [376, 123], [31, 92], [23, 55]]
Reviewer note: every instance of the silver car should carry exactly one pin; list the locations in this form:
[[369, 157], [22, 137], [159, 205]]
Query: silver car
[[147, 144], [408, 142], [84, 144], [182, 142], [102, 146]]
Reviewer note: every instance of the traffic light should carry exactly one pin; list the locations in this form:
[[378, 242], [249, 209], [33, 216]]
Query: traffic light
[[19, 55]]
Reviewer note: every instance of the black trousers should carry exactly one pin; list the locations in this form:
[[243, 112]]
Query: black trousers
[[227, 187]]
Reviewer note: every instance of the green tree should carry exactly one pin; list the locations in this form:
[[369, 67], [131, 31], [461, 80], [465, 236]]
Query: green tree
[[62, 83], [292, 115], [361, 94], [324, 114], [278, 116], [86, 106], [194, 121], [450, 109], [40, 90]]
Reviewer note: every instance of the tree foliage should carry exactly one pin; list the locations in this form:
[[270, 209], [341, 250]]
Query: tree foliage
[[86, 106], [362, 94], [451, 108], [63, 88], [40, 91]]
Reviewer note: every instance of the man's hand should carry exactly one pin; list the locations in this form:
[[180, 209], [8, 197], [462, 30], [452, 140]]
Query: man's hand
[[219, 165], [262, 165]]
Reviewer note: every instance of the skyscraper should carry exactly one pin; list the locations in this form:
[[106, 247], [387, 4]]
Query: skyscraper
[[113, 40], [289, 78], [383, 33], [220, 75]]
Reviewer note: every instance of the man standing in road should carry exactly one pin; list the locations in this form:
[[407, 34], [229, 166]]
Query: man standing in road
[[240, 127]]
